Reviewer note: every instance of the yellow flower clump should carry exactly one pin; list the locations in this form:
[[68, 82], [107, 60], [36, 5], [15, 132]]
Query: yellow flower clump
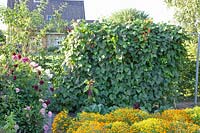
[[127, 115], [151, 125], [84, 116], [61, 122], [127, 120], [92, 127], [183, 127], [118, 127], [156, 125], [175, 115], [74, 126], [194, 114]]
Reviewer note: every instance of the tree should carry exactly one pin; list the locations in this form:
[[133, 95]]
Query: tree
[[26, 28], [22, 25], [187, 13], [128, 15]]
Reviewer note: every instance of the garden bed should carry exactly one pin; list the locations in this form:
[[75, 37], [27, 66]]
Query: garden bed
[[128, 120]]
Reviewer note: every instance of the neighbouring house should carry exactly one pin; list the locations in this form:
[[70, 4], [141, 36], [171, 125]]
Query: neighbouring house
[[73, 11]]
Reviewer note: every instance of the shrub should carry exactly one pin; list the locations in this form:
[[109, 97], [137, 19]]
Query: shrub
[[127, 115], [135, 62], [194, 114], [24, 91], [128, 15], [187, 78], [100, 108], [11, 126], [175, 115]]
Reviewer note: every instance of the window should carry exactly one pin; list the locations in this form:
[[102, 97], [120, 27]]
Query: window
[[49, 17]]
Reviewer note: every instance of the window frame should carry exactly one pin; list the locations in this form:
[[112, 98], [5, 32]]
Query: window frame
[[49, 17]]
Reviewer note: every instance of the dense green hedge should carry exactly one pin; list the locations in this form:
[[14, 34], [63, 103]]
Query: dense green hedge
[[130, 63]]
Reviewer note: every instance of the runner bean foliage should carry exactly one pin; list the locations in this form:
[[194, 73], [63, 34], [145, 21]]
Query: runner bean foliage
[[130, 63]]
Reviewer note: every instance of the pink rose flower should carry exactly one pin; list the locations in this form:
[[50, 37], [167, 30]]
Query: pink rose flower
[[39, 68], [44, 105], [33, 64], [14, 57], [25, 59], [17, 90], [27, 108], [49, 114], [46, 127], [42, 111]]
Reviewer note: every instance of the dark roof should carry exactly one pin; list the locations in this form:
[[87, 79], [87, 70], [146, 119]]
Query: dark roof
[[74, 10], [10, 3]]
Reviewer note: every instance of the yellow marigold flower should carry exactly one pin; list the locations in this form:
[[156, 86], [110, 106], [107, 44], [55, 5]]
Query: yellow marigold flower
[[74, 126], [61, 122], [84, 116], [175, 115], [151, 125], [92, 127], [127, 115], [194, 114], [183, 127], [118, 127]]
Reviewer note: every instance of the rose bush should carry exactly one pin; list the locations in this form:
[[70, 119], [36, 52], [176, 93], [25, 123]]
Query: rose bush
[[25, 91]]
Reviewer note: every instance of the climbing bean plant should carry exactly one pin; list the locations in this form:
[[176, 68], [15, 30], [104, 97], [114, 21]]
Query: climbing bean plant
[[129, 63]]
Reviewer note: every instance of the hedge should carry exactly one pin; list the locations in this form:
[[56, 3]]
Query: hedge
[[121, 65]]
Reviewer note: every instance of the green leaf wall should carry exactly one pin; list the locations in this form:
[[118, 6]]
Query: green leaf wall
[[135, 62]]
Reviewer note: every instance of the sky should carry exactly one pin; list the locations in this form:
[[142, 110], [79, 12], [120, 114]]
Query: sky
[[157, 9], [95, 9]]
